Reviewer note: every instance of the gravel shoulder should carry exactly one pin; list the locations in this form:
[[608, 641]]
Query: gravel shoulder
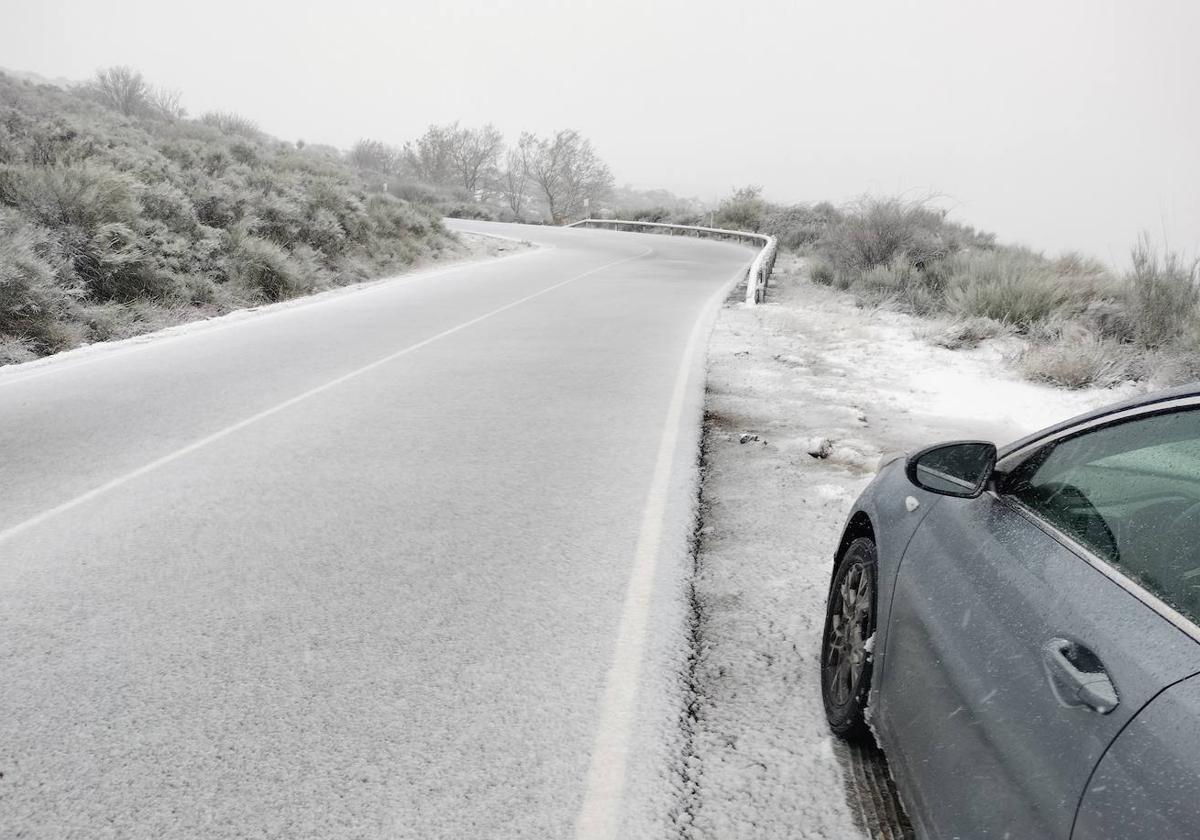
[[804, 395]]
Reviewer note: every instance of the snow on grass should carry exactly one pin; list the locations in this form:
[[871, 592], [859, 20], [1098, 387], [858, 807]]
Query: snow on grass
[[827, 388]]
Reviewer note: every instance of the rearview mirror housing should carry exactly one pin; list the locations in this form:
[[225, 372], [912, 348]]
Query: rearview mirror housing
[[960, 468]]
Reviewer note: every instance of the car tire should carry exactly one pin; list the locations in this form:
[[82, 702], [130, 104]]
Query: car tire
[[846, 645]]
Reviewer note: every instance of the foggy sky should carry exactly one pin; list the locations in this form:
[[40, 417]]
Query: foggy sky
[[1058, 124]]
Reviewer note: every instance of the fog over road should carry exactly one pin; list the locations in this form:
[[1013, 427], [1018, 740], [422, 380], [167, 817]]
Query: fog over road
[[358, 567]]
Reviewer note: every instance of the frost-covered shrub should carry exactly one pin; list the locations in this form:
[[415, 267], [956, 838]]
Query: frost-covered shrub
[[268, 271], [1077, 360], [230, 123], [1009, 286], [883, 232], [969, 332], [277, 218], [744, 210], [218, 205], [879, 233], [84, 196], [469, 210], [414, 192], [1165, 295], [14, 350], [646, 214], [323, 232], [820, 271], [800, 226], [31, 299], [117, 267], [168, 204], [394, 217], [107, 321], [897, 283]]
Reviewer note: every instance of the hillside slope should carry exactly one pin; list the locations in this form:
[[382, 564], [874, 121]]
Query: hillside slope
[[111, 225]]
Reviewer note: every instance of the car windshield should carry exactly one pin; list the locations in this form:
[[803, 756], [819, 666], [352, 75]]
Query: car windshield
[[1131, 493]]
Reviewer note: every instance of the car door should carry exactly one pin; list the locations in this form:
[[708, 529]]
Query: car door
[[1147, 786], [1019, 645]]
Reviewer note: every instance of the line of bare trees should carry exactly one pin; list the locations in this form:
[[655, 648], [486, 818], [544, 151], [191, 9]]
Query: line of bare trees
[[560, 174]]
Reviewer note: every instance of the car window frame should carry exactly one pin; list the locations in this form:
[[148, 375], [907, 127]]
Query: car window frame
[[1037, 448]]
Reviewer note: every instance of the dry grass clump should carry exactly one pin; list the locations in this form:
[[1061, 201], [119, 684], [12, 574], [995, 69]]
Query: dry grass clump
[[1016, 287], [969, 332], [1078, 359], [821, 271], [1165, 295]]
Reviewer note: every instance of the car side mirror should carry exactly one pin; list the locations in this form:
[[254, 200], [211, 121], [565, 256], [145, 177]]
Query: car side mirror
[[960, 469]]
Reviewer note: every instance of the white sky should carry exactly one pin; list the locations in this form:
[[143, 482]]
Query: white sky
[[1059, 124]]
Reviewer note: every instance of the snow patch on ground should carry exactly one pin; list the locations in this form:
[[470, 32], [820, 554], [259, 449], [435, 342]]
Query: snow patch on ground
[[809, 371]]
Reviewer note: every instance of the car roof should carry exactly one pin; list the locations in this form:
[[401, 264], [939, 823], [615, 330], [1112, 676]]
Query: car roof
[[1190, 390]]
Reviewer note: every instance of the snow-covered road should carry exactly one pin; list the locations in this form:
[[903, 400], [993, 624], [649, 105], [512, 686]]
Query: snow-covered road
[[408, 561], [808, 372]]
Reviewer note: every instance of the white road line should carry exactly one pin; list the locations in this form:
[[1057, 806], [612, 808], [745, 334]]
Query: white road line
[[45, 515], [599, 815], [62, 362]]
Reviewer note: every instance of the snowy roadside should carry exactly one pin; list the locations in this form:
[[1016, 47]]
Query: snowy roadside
[[808, 371]]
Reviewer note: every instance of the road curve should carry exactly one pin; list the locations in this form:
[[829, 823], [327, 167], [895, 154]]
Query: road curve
[[386, 563]]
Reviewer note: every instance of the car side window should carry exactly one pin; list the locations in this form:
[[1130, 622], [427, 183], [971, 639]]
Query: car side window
[[1130, 492]]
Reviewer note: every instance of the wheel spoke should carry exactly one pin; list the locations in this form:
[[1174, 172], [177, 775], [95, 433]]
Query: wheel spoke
[[846, 681], [837, 637]]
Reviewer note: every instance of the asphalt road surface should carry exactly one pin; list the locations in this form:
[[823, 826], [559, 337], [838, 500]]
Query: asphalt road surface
[[402, 561]]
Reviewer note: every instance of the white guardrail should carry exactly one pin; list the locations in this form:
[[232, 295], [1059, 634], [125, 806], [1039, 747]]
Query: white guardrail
[[760, 269]]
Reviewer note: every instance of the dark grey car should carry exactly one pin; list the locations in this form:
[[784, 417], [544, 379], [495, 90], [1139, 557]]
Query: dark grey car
[[1019, 629]]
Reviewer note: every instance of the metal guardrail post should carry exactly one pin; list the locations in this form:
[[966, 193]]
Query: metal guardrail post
[[758, 275]]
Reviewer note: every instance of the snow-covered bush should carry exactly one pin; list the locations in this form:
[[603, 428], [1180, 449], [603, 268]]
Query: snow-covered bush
[[116, 220], [1165, 295], [32, 301], [268, 271], [1012, 286], [1078, 359]]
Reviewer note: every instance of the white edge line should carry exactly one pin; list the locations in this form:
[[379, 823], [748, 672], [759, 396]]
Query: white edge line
[[89, 353], [113, 484], [600, 812]]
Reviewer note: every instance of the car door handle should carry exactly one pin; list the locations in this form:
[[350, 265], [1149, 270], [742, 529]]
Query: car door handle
[[1078, 677]]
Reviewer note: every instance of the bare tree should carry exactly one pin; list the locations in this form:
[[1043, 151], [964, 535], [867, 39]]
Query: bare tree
[[166, 103], [569, 173], [430, 157], [122, 88], [473, 154], [375, 156], [514, 181]]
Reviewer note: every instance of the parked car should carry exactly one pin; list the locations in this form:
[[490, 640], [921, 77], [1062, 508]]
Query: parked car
[[1019, 629]]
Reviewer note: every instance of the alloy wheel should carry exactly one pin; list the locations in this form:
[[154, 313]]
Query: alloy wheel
[[849, 633]]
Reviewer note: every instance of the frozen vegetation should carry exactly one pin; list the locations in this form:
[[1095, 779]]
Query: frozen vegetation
[[118, 215], [1082, 322]]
